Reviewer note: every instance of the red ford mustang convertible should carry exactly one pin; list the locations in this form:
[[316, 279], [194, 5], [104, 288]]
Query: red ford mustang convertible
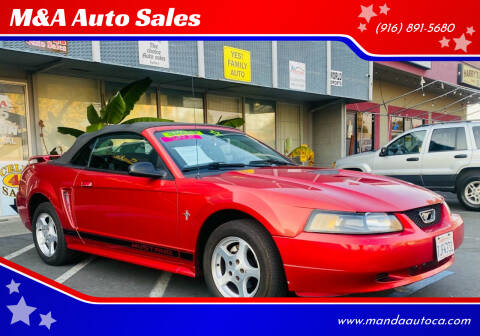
[[210, 201]]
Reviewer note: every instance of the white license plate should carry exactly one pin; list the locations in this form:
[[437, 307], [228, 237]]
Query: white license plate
[[444, 245]]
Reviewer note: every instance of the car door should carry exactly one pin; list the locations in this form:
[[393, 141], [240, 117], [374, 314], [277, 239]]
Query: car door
[[402, 158], [447, 152], [108, 202]]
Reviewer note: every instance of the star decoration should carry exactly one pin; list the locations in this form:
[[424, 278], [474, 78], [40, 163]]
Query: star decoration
[[47, 320], [362, 27], [444, 42], [13, 287], [384, 9], [367, 13], [470, 30], [21, 312], [461, 43]]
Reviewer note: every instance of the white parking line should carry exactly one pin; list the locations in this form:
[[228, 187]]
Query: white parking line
[[161, 285], [19, 252], [72, 271]]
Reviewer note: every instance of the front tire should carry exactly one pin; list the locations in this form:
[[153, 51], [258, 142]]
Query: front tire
[[48, 236], [468, 190], [241, 260]]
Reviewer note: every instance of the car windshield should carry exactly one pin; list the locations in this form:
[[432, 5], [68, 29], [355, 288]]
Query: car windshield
[[213, 149]]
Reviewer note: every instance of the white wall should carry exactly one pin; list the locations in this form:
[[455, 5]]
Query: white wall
[[328, 134]]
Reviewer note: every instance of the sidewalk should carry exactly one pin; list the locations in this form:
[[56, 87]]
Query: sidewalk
[[11, 226]]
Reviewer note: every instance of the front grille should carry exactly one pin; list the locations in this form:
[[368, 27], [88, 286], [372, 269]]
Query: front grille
[[414, 215]]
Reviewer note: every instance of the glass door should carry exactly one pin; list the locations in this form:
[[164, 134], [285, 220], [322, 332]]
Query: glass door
[[14, 149]]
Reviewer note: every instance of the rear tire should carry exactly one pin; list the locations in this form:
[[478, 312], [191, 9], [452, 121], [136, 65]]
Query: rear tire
[[468, 190], [49, 238], [241, 260]]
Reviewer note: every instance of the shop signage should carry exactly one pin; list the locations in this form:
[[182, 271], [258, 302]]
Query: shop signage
[[336, 78], [153, 53], [10, 173], [468, 75], [236, 64], [297, 75], [55, 46], [10, 122]]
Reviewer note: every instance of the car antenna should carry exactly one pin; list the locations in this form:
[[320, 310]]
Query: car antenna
[[195, 122]]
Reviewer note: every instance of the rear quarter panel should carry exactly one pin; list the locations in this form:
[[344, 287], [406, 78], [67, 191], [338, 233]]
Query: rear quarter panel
[[48, 180]]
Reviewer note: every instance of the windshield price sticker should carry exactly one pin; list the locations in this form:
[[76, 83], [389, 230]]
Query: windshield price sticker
[[180, 135]]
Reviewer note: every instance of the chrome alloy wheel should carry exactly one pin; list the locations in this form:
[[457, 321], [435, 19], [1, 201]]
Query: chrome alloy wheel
[[46, 233], [472, 192], [235, 268]]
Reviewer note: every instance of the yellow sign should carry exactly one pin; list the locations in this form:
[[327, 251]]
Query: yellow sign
[[469, 75], [236, 64]]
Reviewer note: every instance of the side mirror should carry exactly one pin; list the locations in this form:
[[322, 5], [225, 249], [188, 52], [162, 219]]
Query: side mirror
[[383, 151], [146, 169]]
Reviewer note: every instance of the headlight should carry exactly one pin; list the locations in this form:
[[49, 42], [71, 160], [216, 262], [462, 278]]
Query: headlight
[[352, 223]]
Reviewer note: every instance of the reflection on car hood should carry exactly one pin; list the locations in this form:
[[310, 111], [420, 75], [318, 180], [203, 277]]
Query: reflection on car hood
[[330, 189]]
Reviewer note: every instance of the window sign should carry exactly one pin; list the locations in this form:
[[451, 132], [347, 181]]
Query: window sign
[[10, 173], [297, 77], [336, 78], [153, 53], [236, 64]]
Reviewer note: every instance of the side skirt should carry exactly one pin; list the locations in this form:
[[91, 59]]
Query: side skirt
[[159, 257]]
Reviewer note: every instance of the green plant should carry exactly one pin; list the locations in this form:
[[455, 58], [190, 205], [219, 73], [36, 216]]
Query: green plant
[[116, 110], [235, 122]]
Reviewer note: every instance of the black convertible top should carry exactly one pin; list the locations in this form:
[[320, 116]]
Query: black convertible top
[[138, 128]]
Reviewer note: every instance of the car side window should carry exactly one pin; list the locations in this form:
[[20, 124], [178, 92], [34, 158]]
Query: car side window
[[410, 143], [476, 135], [83, 155], [118, 151], [448, 139]]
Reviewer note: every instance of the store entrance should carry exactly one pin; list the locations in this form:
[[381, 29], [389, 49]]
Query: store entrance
[[359, 132]]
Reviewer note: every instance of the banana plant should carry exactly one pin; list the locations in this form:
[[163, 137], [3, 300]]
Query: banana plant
[[116, 110], [235, 122]]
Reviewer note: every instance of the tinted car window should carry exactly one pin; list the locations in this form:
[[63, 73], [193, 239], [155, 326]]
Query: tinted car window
[[410, 143], [83, 155], [118, 152], [476, 135], [448, 139]]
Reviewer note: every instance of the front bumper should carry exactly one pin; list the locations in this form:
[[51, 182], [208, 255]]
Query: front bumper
[[333, 264]]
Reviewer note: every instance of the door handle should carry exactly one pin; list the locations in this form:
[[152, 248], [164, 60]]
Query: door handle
[[413, 159], [461, 156], [86, 184]]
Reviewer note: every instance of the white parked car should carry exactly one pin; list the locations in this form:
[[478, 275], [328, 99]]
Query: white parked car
[[442, 157]]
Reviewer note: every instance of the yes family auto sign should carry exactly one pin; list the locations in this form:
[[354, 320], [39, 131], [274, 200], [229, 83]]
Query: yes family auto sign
[[10, 174]]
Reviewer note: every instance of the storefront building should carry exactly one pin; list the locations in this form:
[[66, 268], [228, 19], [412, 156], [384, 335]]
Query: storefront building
[[289, 93], [410, 94]]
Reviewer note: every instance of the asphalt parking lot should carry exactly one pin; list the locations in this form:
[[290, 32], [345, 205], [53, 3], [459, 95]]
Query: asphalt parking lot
[[109, 278]]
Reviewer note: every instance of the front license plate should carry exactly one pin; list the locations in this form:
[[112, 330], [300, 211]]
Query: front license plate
[[444, 245]]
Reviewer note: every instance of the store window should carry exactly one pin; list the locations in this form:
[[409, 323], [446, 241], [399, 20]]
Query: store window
[[359, 132], [63, 101], [13, 123], [181, 107], [402, 124], [223, 108], [146, 105], [398, 126], [260, 120]]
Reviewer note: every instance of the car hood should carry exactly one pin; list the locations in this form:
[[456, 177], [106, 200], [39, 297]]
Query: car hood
[[331, 189]]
